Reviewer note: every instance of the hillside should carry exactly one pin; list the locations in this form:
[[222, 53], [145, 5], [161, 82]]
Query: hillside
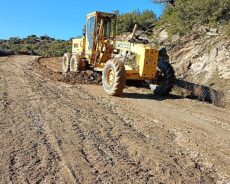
[[200, 57], [196, 35], [33, 45]]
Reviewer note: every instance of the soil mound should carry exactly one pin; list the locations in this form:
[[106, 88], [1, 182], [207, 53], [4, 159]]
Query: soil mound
[[51, 68]]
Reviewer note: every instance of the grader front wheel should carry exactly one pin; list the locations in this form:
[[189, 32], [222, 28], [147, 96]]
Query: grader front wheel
[[113, 77], [65, 63]]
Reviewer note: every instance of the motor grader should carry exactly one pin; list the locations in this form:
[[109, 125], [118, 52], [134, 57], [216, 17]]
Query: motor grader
[[118, 61]]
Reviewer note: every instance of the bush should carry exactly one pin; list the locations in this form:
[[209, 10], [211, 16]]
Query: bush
[[145, 21], [181, 18]]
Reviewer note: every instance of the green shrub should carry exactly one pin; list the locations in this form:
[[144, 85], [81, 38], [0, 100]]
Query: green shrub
[[145, 21], [187, 13]]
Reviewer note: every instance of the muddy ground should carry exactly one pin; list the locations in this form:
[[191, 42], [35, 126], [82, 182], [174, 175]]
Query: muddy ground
[[55, 132]]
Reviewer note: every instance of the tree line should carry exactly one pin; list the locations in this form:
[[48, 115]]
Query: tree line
[[33, 45]]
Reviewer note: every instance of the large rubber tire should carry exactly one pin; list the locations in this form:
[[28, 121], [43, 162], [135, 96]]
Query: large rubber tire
[[65, 63], [165, 80], [77, 64], [113, 77]]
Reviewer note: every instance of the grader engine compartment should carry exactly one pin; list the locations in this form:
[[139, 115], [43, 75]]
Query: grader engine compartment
[[140, 60]]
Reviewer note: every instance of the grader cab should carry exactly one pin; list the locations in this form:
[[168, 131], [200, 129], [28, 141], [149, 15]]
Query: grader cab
[[118, 61]]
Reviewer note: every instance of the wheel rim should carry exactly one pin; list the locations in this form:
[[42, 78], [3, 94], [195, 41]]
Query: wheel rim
[[110, 77]]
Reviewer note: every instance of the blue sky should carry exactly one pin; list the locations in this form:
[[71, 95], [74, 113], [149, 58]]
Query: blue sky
[[58, 18]]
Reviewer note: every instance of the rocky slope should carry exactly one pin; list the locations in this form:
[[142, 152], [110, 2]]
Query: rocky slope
[[201, 57]]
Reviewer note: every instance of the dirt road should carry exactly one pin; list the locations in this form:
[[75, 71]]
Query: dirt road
[[53, 132]]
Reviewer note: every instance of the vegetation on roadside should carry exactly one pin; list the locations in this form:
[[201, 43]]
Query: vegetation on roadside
[[32, 45], [181, 18]]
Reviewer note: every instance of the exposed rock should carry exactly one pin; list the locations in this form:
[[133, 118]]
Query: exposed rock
[[203, 59], [175, 38], [163, 35]]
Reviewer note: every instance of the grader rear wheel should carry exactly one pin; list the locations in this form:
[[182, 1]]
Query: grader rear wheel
[[113, 77], [77, 64], [65, 63]]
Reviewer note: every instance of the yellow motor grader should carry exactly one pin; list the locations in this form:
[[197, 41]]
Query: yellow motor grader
[[118, 61]]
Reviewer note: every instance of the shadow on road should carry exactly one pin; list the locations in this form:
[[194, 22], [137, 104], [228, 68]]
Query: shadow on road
[[150, 96], [193, 91]]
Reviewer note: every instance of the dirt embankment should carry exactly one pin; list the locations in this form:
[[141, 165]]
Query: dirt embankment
[[51, 68], [54, 132]]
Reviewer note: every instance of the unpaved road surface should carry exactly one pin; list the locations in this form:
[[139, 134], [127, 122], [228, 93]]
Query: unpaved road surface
[[53, 132]]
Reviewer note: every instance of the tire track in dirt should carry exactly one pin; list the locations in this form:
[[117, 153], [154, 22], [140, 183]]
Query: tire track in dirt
[[211, 123], [88, 96], [103, 107], [197, 142], [77, 133], [29, 112], [91, 144]]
